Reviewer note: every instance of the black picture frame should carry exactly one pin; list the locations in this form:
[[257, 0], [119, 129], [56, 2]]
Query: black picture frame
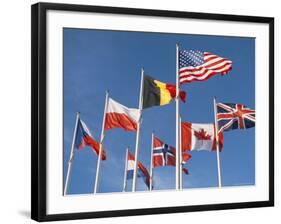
[[39, 114]]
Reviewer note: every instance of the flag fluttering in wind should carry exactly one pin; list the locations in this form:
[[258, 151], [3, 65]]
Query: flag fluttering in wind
[[234, 116], [85, 138], [142, 171], [165, 155], [120, 116], [200, 66], [156, 93], [199, 137]]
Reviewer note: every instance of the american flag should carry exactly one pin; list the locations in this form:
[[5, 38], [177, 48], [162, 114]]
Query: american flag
[[234, 116], [200, 66]]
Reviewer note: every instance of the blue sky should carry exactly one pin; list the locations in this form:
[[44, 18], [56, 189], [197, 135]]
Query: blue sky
[[96, 61]]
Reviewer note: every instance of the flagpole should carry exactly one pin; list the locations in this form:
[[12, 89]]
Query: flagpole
[[71, 157], [181, 164], [125, 170], [217, 143], [177, 122], [101, 143], [151, 162], [138, 133]]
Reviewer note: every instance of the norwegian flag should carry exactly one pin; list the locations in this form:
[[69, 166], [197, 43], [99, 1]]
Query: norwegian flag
[[165, 155], [200, 66], [234, 116]]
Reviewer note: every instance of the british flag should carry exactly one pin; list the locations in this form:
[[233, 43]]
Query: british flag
[[165, 155], [234, 116]]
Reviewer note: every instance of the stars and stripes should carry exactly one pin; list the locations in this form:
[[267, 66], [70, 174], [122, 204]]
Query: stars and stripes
[[234, 116], [200, 66]]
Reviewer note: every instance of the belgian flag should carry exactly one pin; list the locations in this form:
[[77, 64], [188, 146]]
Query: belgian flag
[[156, 93]]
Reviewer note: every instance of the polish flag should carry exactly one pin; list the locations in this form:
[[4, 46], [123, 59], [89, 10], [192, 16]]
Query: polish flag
[[119, 116], [199, 137]]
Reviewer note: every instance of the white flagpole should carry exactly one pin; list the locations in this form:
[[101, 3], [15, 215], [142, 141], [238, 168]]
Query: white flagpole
[[217, 143], [138, 133], [177, 122], [101, 143], [125, 170], [151, 163], [181, 164], [71, 157]]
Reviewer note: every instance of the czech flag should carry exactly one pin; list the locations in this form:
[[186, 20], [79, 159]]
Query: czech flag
[[85, 138]]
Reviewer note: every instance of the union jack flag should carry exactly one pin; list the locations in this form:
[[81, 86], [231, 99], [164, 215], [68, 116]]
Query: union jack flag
[[200, 66], [234, 116], [165, 155]]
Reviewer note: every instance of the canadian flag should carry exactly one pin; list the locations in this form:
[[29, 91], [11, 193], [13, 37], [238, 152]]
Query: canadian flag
[[119, 116], [199, 137]]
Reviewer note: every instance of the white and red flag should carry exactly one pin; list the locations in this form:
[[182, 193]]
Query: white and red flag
[[119, 116], [199, 137]]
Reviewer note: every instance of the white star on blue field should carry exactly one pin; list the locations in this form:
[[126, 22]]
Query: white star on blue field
[[100, 60]]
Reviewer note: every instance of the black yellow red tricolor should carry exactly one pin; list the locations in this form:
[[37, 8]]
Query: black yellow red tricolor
[[156, 93]]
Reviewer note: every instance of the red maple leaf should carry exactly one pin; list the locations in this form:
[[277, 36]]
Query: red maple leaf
[[202, 135]]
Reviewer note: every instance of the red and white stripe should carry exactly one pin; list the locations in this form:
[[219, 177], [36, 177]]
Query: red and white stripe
[[119, 116], [212, 65]]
